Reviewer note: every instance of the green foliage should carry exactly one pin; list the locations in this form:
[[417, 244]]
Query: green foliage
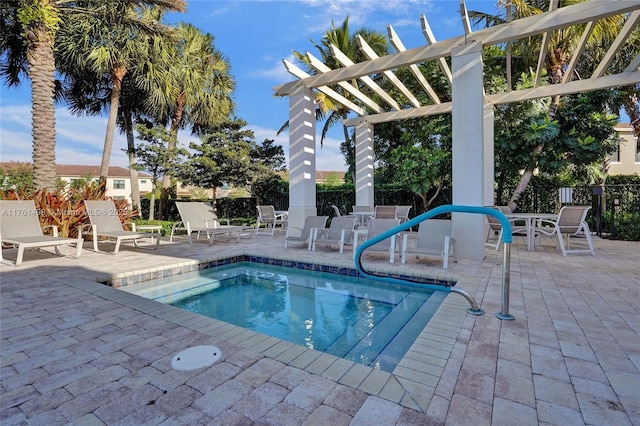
[[19, 177], [153, 156], [165, 224], [43, 14], [223, 156]]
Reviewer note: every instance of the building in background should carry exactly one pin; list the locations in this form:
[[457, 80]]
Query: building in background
[[626, 161]]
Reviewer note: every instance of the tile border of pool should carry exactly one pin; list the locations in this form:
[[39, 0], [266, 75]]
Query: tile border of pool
[[413, 382]]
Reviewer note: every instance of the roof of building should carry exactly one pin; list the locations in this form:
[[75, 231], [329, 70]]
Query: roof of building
[[71, 170]]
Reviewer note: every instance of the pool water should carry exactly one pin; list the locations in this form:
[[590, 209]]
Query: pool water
[[354, 318]]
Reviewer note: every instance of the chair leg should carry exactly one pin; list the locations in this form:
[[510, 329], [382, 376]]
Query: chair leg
[[19, 255]]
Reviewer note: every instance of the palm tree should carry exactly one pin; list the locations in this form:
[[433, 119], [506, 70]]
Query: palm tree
[[28, 33], [193, 88], [110, 43], [35, 24]]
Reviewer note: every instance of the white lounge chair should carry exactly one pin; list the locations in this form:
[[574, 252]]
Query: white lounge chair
[[570, 223], [339, 232], [199, 217], [304, 235], [434, 237], [20, 228], [105, 223], [267, 216], [377, 227]]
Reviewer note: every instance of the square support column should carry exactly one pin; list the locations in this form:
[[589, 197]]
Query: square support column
[[302, 156], [472, 152], [364, 164]]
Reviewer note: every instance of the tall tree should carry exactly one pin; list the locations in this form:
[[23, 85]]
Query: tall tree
[[110, 43], [223, 156], [27, 37], [193, 88], [27, 41]]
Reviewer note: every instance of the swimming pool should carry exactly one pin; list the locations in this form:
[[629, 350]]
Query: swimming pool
[[354, 318]]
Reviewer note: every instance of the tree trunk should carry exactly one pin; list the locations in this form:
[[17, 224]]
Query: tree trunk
[[522, 185], [117, 76], [131, 152], [43, 114], [166, 179]]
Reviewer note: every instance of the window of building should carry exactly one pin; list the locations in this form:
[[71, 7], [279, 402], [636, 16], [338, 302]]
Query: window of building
[[143, 181], [635, 143], [615, 156], [118, 184]]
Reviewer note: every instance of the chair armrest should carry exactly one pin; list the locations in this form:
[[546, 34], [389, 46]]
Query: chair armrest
[[54, 229], [293, 227]]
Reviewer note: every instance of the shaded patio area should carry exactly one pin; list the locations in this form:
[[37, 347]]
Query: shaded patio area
[[74, 351]]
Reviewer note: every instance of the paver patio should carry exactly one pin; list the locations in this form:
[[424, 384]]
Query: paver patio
[[74, 351]]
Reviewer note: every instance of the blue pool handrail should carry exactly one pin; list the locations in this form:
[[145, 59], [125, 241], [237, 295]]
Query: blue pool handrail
[[507, 238]]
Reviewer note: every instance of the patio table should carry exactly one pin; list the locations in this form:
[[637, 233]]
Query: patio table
[[531, 221]]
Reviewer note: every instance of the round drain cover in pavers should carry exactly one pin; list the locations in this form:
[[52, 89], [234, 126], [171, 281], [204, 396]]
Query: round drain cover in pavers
[[196, 357]]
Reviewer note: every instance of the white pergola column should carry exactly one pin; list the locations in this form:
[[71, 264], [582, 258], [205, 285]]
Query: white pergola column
[[364, 164], [302, 156], [472, 152]]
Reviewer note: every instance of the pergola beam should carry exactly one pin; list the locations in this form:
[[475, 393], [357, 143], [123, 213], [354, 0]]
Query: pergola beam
[[565, 16], [619, 41], [292, 69], [395, 41], [321, 67], [371, 54], [431, 39], [345, 61], [544, 47], [578, 51]]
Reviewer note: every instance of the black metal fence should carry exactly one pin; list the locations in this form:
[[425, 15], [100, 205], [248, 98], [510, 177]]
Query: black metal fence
[[615, 209]]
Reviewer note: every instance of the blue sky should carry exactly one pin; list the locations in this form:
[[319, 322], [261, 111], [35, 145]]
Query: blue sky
[[255, 36]]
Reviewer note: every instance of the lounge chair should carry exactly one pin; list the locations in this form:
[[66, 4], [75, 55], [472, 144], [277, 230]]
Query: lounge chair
[[377, 227], [310, 222], [199, 217], [339, 232], [105, 223], [267, 216], [434, 237], [20, 227], [570, 223]]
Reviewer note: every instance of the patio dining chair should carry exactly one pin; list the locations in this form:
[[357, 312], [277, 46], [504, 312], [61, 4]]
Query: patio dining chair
[[385, 212], [493, 238], [402, 213], [570, 223], [267, 216], [20, 228], [303, 235], [105, 224]]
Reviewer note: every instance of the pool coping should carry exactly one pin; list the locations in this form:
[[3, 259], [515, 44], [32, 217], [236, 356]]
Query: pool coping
[[413, 382]]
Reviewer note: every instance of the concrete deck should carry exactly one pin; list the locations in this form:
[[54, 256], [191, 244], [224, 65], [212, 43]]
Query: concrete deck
[[77, 352]]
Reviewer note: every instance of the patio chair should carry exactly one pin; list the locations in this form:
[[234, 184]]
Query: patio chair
[[310, 222], [336, 210], [20, 228], [434, 237], [377, 227], [385, 212], [339, 232], [570, 223], [199, 217], [494, 229], [105, 223], [267, 216], [402, 213]]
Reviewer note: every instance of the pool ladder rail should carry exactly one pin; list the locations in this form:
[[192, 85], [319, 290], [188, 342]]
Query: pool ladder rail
[[507, 238]]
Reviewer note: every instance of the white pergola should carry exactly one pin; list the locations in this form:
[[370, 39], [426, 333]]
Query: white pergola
[[472, 110]]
